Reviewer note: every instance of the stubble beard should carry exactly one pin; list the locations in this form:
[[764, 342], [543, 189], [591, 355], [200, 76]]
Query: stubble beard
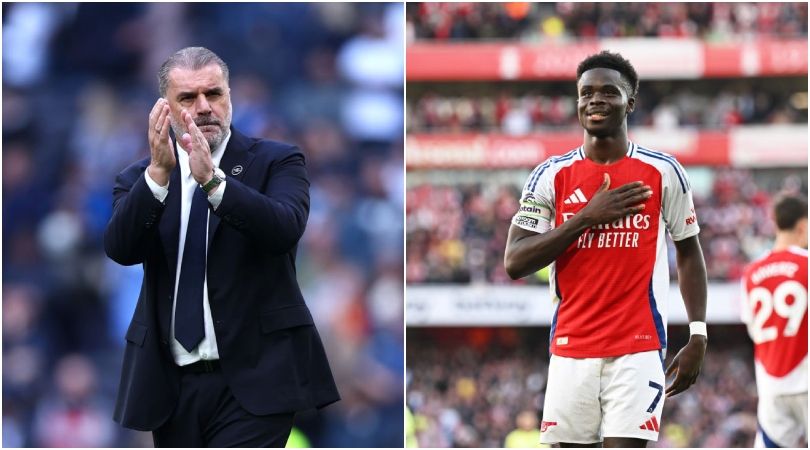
[[215, 140]]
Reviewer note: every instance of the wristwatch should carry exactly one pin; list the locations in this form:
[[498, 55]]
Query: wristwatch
[[219, 177]]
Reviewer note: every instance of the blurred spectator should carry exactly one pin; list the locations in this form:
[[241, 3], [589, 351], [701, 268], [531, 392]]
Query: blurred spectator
[[374, 61], [80, 82], [30, 28], [73, 415], [467, 385], [527, 433], [457, 233], [533, 21]]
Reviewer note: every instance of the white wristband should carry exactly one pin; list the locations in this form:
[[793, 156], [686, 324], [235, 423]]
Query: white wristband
[[697, 328]]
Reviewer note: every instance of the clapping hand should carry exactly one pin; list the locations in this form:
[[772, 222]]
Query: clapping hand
[[160, 144], [199, 153]]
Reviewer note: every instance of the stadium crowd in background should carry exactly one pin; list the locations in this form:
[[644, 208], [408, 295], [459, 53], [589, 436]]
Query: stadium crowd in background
[[468, 391], [532, 21], [78, 82], [471, 396], [749, 102]]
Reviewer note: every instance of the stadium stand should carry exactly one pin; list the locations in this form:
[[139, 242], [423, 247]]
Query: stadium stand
[[534, 21]]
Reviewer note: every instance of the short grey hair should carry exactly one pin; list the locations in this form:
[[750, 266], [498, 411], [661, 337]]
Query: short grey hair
[[193, 58]]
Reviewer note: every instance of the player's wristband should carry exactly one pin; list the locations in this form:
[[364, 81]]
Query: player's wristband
[[697, 328]]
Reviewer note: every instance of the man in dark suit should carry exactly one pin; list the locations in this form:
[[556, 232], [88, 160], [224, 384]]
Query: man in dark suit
[[222, 350]]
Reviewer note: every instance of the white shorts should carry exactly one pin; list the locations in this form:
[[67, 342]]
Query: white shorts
[[588, 399], [782, 420]]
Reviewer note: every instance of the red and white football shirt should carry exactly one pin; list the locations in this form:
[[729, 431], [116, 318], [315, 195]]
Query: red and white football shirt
[[610, 286], [775, 310]]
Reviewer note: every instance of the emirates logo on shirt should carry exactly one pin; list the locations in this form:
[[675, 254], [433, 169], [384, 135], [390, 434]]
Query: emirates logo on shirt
[[605, 235], [634, 222]]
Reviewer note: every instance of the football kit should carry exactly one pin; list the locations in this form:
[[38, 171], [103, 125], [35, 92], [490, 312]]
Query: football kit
[[775, 310], [609, 290]]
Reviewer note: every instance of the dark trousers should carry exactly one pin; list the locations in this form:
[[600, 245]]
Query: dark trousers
[[208, 415]]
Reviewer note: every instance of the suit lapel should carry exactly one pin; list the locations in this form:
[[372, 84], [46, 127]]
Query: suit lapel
[[235, 162]]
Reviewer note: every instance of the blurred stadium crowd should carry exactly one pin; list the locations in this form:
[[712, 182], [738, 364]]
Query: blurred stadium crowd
[[78, 83], [715, 105], [528, 21], [468, 385], [457, 233]]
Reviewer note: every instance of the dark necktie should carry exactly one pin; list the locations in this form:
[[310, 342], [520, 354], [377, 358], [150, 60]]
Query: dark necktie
[[189, 328]]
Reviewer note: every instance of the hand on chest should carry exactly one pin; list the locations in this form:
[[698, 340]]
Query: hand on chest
[[576, 185], [576, 188]]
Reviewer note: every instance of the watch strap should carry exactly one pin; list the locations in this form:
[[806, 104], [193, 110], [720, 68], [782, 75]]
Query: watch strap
[[215, 181]]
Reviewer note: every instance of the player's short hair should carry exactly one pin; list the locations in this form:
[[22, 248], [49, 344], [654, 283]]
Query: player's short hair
[[788, 209], [615, 61], [193, 58]]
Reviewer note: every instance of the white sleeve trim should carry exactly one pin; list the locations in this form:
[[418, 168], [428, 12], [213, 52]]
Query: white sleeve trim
[[216, 198], [160, 192]]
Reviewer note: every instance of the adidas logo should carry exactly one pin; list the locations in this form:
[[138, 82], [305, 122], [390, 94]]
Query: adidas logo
[[651, 424], [576, 197]]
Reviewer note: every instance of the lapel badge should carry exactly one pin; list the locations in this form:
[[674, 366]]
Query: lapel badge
[[236, 170]]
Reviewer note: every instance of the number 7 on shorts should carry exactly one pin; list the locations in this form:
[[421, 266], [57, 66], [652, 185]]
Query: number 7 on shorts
[[657, 398]]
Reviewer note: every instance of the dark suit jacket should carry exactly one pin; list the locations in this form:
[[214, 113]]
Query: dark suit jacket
[[270, 352]]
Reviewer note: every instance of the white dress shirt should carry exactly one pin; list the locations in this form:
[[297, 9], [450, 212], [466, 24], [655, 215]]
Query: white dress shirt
[[207, 348]]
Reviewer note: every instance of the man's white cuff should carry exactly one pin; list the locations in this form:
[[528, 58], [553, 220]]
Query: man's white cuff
[[160, 192], [216, 198]]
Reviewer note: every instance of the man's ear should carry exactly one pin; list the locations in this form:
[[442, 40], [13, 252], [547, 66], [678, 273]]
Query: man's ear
[[631, 105]]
